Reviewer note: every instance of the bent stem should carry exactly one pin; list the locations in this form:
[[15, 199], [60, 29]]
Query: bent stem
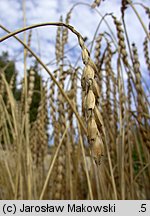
[[45, 67]]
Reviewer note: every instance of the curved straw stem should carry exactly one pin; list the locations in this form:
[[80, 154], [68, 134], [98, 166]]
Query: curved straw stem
[[43, 65], [97, 11], [40, 25]]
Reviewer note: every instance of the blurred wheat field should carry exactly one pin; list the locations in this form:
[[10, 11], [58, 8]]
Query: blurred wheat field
[[85, 132]]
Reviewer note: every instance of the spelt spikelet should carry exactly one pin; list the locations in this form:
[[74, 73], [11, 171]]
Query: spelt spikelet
[[129, 87], [148, 11], [11, 86], [60, 178], [18, 112], [29, 41], [60, 167], [53, 108], [97, 50], [122, 97], [136, 66], [39, 131], [121, 40], [99, 121], [72, 96], [59, 45], [108, 75], [22, 94], [33, 141], [127, 153], [146, 53], [2, 85], [115, 111], [31, 87], [65, 30], [128, 137], [59, 181], [29, 38]]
